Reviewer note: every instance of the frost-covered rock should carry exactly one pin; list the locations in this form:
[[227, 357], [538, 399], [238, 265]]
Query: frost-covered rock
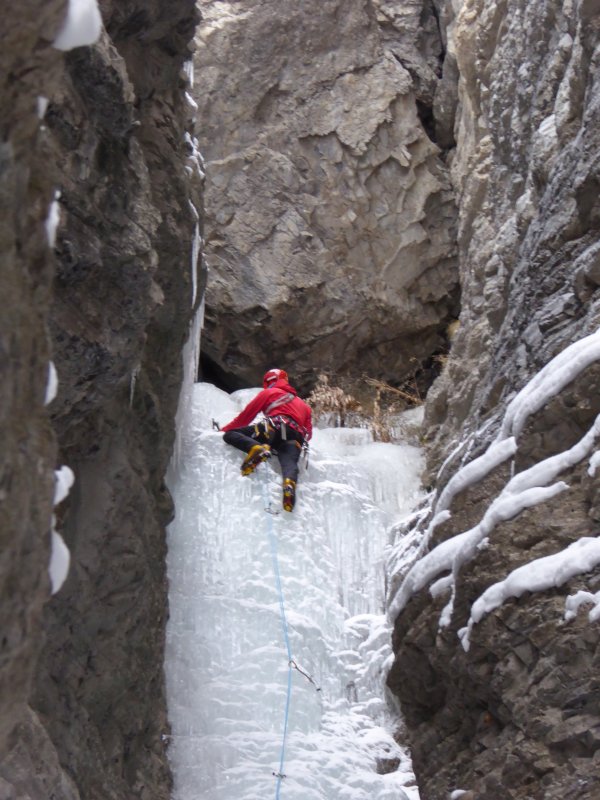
[[517, 714]]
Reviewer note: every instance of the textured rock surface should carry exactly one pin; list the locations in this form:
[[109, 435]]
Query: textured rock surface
[[526, 176], [118, 315], [330, 224], [329, 175], [28, 68], [518, 715]]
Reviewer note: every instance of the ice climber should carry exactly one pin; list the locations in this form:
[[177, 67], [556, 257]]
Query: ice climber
[[285, 429]]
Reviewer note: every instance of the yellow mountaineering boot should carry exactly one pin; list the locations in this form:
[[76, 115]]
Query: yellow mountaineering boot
[[289, 494], [257, 454]]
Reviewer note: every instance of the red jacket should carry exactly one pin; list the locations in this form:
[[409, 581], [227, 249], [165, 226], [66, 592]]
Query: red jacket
[[295, 408]]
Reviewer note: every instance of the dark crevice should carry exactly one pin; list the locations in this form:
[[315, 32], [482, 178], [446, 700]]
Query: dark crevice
[[211, 372], [425, 113], [436, 15]]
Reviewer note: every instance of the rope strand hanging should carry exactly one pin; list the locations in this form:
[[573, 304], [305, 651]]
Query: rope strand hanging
[[292, 665], [280, 775]]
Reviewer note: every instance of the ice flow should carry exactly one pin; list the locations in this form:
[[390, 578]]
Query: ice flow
[[227, 663]]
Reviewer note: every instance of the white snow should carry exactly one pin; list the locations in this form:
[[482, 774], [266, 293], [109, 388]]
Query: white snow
[[441, 586], [471, 473], [42, 105], [191, 101], [195, 158], [60, 557], [63, 480], [81, 27], [594, 463], [544, 385], [53, 219], [574, 602], [524, 490], [536, 576], [226, 662], [194, 211], [51, 384], [549, 381], [497, 453]]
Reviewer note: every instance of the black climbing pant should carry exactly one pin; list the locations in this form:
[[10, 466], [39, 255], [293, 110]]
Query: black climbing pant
[[288, 450]]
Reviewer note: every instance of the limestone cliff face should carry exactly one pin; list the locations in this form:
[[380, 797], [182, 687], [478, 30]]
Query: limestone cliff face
[[517, 715], [87, 718], [330, 221]]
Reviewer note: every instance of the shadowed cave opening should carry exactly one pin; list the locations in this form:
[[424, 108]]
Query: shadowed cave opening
[[211, 372]]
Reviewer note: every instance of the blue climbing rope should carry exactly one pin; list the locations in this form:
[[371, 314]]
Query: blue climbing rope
[[274, 558]]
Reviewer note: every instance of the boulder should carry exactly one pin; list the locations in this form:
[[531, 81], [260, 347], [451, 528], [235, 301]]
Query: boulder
[[330, 220]]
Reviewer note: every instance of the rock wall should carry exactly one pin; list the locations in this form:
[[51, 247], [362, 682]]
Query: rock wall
[[89, 719], [360, 127], [518, 715], [330, 224]]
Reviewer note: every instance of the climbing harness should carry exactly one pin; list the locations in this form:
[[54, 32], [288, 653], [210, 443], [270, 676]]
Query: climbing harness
[[292, 665], [264, 429], [282, 421]]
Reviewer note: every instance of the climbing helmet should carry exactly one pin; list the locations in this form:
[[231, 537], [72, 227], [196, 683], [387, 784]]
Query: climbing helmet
[[274, 375]]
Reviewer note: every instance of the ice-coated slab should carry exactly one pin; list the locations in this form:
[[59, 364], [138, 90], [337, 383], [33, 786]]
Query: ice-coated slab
[[227, 664]]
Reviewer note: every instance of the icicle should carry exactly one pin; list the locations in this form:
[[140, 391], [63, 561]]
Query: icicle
[[188, 68], [51, 384], [53, 219], [42, 105], [132, 382], [196, 245], [191, 362]]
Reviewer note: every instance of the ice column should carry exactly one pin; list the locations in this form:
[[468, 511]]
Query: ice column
[[226, 659]]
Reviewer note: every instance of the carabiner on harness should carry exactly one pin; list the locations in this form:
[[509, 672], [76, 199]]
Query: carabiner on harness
[[304, 452]]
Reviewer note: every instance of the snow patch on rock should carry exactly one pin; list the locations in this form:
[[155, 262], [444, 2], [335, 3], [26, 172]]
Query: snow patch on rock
[[81, 27]]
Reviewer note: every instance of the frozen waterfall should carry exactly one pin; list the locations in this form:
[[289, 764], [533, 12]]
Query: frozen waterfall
[[227, 663]]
